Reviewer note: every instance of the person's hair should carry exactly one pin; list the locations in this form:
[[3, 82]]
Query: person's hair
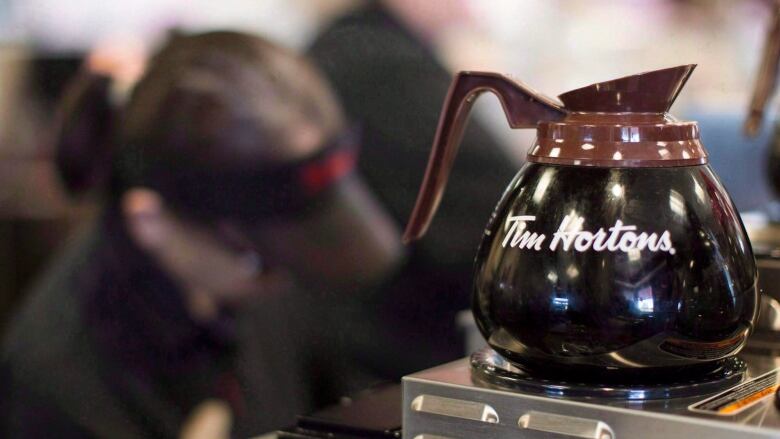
[[218, 100]]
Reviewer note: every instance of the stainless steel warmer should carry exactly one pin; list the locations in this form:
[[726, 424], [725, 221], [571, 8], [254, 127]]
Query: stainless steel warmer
[[487, 397]]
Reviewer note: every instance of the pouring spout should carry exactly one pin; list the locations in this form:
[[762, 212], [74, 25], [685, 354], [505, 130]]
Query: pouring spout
[[648, 92]]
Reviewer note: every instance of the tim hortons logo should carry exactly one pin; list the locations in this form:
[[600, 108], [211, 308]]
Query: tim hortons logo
[[620, 237]]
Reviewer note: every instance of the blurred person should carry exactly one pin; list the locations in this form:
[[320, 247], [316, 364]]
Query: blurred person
[[380, 60], [207, 299]]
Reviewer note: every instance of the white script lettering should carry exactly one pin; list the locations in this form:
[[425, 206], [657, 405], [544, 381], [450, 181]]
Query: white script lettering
[[518, 236], [620, 237]]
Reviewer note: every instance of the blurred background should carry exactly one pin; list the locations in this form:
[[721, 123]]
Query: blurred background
[[552, 45]]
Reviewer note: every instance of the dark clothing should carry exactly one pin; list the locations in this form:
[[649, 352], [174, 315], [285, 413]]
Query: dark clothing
[[394, 88], [104, 348]]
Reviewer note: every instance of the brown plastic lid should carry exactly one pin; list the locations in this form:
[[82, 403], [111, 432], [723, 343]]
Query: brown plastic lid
[[618, 123], [622, 123], [648, 92], [618, 140]]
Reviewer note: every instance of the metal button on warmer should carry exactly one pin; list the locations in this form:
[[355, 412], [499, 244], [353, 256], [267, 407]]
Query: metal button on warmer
[[570, 426], [457, 408]]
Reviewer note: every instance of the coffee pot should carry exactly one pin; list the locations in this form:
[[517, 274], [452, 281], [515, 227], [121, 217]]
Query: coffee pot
[[615, 254]]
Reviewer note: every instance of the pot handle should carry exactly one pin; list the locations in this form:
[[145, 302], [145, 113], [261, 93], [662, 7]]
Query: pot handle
[[524, 108], [767, 76]]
